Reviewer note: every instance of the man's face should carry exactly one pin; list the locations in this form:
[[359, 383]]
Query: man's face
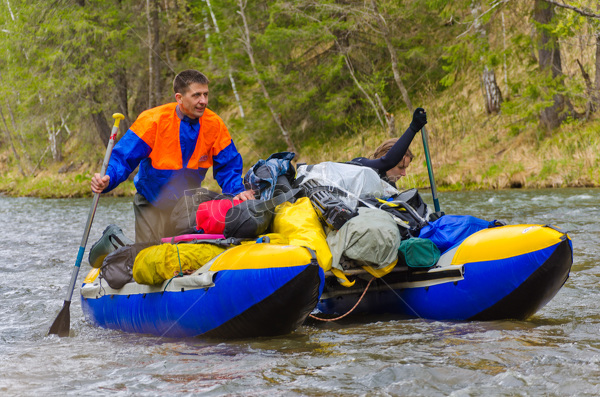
[[194, 101], [399, 170]]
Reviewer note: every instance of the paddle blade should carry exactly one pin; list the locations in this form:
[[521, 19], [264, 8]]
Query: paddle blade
[[61, 325]]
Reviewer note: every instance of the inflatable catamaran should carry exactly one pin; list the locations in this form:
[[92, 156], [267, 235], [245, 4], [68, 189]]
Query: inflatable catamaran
[[247, 291], [508, 272], [338, 249]]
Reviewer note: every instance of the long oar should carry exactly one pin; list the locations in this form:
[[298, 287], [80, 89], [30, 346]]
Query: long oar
[[436, 203], [61, 324]]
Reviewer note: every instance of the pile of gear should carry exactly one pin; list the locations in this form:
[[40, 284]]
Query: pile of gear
[[346, 213]]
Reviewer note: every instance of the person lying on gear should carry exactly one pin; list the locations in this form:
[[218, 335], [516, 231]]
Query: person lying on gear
[[174, 145], [393, 156]]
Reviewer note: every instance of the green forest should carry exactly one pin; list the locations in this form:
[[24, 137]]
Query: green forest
[[511, 87]]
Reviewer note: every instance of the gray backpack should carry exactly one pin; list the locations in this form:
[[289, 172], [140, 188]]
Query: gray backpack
[[117, 267], [370, 238]]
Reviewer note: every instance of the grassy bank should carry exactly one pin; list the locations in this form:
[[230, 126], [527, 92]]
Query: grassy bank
[[322, 100], [468, 153], [469, 150]]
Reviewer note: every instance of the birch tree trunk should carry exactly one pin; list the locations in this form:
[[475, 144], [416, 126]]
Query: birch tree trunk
[[385, 33], [492, 96], [507, 90], [598, 63], [54, 142], [598, 69], [209, 50], [250, 52], [231, 80], [389, 118], [153, 53], [491, 91], [63, 125]]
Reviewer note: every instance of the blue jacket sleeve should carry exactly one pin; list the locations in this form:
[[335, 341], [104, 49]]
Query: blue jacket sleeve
[[227, 170], [125, 158]]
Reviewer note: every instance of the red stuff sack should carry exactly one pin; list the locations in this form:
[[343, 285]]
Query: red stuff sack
[[210, 216]]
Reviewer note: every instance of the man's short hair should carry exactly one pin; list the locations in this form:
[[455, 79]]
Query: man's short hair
[[183, 80]]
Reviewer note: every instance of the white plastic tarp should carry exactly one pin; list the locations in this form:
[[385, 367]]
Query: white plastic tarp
[[355, 180]]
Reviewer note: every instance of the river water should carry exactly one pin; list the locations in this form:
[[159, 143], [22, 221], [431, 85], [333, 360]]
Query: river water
[[556, 352]]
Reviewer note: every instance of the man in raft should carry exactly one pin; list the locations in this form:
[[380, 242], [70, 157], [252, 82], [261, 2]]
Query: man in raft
[[174, 145]]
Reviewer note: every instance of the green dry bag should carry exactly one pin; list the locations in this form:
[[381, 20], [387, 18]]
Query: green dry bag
[[418, 252]]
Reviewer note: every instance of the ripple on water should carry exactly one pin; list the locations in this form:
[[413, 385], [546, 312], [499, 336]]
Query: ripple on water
[[556, 352]]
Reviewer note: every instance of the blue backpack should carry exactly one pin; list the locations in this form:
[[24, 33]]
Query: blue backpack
[[450, 230]]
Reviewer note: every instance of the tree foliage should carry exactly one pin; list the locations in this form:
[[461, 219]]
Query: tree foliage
[[330, 67]]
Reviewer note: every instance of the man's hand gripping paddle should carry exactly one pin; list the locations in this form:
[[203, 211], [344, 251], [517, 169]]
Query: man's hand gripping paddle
[[61, 324]]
